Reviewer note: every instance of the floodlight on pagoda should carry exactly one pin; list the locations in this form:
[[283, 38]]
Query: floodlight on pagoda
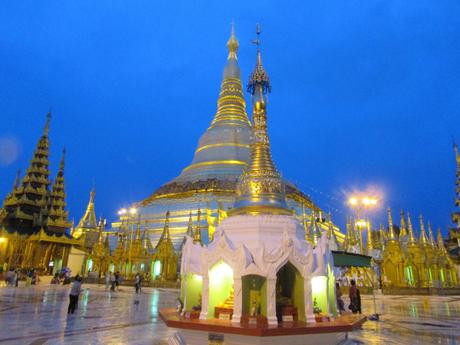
[[122, 211], [2, 239], [132, 210]]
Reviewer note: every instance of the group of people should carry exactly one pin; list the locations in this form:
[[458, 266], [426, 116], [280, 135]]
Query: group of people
[[13, 276], [353, 294]]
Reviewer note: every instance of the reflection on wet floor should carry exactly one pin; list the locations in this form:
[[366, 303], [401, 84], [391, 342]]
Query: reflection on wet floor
[[38, 315]]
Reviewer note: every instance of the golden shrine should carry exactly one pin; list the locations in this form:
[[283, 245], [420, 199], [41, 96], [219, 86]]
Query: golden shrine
[[33, 219]]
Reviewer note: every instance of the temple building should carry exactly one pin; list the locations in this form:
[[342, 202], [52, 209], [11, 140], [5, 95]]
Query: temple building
[[33, 219], [260, 263], [206, 188]]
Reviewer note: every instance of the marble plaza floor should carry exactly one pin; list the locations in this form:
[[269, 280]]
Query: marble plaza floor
[[38, 315]]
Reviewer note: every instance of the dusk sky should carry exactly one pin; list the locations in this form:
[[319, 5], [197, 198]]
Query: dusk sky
[[365, 95]]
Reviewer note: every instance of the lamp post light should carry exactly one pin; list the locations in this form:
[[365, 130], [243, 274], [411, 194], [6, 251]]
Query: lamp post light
[[360, 204]]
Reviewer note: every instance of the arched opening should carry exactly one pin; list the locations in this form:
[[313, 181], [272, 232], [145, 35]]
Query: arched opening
[[220, 300], [156, 269], [192, 292], [254, 289], [290, 304]]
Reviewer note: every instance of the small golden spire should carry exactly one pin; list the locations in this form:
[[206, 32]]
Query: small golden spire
[[232, 44], [423, 239], [17, 180], [391, 233], [410, 229], [197, 234], [190, 226], [402, 227]]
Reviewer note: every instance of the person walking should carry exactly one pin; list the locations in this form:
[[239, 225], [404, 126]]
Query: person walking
[[75, 291], [338, 296], [137, 282], [117, 280], [355, 298]]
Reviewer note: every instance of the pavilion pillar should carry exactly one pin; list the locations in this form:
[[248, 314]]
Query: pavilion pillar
[[204, 298], [237, 300], [308, 299], [271, 301]]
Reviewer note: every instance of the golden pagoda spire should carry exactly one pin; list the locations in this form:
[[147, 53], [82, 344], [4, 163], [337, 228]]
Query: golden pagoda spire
[[88, 221], [231, 107], [260, 189], [410, 230], [402, 227], [430, 235], [423, 239], [391, 233]]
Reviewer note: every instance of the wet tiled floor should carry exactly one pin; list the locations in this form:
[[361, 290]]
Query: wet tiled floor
[[38, 315]]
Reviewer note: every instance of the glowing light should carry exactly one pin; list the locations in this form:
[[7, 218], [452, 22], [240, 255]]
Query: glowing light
[[132, 210], [319, 284], [220, 271], [156, 268], [2, 239], [122, 212], [353, 201], [197, 277]]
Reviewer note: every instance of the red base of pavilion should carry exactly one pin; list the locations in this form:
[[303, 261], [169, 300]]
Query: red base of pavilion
[[193, 331]]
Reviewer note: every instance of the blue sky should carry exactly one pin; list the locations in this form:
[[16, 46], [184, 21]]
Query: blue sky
[[365, 94]]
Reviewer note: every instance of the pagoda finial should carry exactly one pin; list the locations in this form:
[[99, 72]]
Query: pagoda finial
[[17, 180], [423, 239], [410, 229], [260, 189], [391, 233], [47, 123], [457, 154], [61, 165], [232, 44]]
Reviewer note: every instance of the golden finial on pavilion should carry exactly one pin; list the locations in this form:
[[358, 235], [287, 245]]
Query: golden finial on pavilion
[[260, 189], [232, 44]]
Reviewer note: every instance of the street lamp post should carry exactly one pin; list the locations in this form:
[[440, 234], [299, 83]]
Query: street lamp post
[[360, 204]]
